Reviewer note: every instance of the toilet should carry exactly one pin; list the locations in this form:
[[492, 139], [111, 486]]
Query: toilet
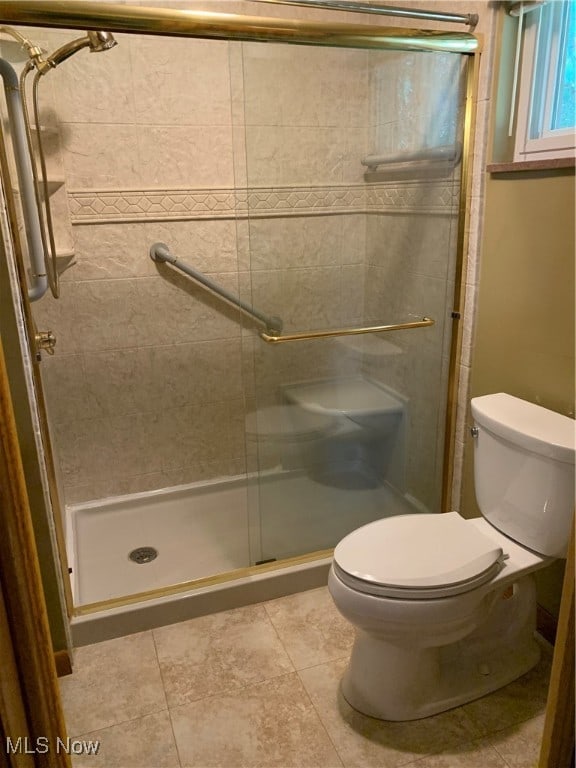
[[445, 608]]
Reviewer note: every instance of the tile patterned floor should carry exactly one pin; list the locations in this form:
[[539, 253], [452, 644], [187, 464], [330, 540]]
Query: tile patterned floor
[[257, 687]]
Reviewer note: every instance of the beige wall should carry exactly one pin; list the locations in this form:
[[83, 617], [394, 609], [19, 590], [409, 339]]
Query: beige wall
[[525, 334], [524, 339]]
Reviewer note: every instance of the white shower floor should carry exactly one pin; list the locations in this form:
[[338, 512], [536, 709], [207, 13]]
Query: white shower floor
[[206, 529]]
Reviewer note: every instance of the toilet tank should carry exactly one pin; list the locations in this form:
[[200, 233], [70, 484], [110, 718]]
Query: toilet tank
[[524, 471]]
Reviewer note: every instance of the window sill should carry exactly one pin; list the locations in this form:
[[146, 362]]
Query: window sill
[[532, 165]]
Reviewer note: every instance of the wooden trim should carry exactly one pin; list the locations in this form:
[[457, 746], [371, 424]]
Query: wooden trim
[[557, 749], [22, 590], [532, 165], [13, 720], [63, 663]]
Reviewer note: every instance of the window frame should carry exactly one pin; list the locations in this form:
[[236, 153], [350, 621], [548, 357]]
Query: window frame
[[544, 33]]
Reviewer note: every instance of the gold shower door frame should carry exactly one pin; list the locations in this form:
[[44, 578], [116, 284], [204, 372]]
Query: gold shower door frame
[[76, 14]]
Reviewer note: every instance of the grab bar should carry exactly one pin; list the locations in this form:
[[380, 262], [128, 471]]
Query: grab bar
[[160, 252], [277, 338], [447, 153]]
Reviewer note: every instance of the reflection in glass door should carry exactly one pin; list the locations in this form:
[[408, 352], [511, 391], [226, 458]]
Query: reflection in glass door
[[352, 171]]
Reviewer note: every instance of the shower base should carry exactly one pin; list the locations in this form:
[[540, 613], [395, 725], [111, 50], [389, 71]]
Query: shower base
[[203, 530]]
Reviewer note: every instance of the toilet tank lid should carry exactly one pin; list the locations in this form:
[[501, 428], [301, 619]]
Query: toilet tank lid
[[528, 425]]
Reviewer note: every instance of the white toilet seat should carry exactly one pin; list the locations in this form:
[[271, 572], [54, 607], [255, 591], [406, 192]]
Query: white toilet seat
[[419, 556]]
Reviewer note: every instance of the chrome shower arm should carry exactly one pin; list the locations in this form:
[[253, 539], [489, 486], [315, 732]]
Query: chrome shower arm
[[67, 50]]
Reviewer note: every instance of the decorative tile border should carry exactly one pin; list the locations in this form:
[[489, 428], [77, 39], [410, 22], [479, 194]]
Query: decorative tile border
[[123, 206], [100, 206], [412, 197]]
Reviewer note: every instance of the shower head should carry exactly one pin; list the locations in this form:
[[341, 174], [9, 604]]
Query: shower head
[[101, 41], [96, 41]]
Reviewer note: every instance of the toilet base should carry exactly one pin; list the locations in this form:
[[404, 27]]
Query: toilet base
[[403, 682], [454, 684]]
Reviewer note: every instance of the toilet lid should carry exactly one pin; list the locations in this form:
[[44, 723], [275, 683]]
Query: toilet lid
[[419, 555], [287, 422]]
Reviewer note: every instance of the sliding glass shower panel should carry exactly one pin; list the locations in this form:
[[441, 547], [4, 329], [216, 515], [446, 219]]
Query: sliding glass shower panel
[[352, 188], [319, 184]]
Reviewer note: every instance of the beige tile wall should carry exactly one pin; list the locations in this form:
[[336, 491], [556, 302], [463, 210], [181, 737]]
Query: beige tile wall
[[410, 274], [152, 377], [148, 388]]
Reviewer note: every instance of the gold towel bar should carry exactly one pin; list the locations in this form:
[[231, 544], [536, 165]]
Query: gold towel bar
[[278, 339]]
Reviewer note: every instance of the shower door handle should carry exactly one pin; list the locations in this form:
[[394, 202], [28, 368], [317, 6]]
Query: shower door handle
[[270, 338]]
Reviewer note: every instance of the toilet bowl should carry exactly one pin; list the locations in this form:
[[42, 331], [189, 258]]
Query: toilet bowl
[[444, 608], [408, 661]]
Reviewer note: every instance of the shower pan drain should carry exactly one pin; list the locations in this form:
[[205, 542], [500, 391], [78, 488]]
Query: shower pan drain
[[143, 555]]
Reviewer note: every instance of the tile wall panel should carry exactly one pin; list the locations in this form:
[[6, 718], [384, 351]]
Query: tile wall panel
[[245, 159]]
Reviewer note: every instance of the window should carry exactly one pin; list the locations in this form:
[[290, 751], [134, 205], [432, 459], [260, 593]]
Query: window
[[546, 113]]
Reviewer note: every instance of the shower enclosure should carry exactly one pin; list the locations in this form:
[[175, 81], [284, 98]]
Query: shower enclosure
[[322, 185]]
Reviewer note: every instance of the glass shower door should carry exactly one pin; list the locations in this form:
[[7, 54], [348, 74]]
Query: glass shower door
[[352, 169]]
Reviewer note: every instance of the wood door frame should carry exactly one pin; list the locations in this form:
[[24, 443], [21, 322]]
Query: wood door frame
[[30, 701], [557, 749]]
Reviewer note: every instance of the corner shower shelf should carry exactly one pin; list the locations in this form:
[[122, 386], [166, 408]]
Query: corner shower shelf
[[65, 260], [54, 185]]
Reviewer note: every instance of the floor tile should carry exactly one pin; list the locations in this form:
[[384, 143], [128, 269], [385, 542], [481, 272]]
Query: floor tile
[[520, 744], [474, 754], [523, 699], [268, 725], [369, 743], [218, 653], [113, 681], [147, 742], [310, 627]]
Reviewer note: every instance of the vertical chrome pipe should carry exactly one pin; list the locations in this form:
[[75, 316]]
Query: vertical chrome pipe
[[25, 181]]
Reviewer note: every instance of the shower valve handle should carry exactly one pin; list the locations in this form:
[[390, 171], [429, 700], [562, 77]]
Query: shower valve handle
[[45, 340]]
